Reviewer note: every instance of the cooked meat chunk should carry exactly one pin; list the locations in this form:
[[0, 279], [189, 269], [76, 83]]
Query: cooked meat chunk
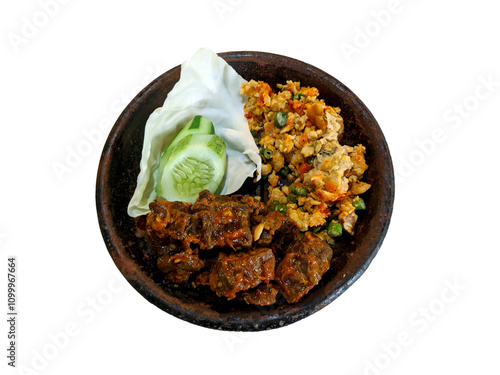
[[207, 201], [180, 266], [241, 271], [178, 276], [169, 220], [225, 226], [262, 295], [302, 267], [277, 227], [226, 221]]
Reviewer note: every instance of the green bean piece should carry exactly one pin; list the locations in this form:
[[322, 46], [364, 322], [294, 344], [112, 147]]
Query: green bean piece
[[334, 229], [292, 198], [281, 208], [266, 153], [272, 205], [277, 206], [299, 96], [284, 171], [280, 119], [301, 191], [359, 204]]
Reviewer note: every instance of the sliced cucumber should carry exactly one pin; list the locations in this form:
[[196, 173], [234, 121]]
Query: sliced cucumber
[[198, 125], [197, 162]]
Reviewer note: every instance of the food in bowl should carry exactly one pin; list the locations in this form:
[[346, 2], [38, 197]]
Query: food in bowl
[[241, 247]]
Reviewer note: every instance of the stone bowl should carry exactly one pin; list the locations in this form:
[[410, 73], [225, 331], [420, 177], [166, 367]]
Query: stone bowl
[[116, 181]]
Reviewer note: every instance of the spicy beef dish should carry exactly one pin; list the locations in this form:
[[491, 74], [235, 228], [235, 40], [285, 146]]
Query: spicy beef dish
[[246, 248]]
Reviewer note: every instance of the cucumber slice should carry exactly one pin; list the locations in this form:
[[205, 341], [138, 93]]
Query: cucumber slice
[[196, 163], [198, 125]]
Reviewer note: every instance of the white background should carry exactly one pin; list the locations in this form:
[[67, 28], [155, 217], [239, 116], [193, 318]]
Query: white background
[[428, 70]]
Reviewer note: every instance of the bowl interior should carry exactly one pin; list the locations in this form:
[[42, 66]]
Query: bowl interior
[[119, 167]]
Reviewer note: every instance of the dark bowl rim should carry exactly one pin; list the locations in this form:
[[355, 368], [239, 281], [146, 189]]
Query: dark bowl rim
[[148, 288]]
